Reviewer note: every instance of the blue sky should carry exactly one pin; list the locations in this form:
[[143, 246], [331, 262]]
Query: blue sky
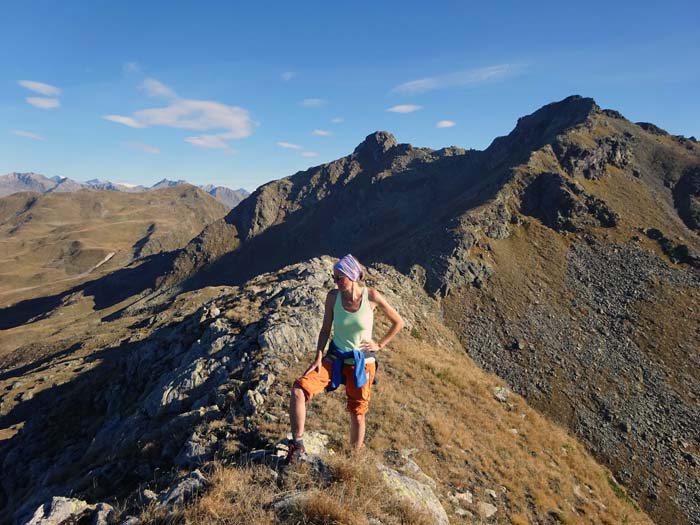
[[238, 94]]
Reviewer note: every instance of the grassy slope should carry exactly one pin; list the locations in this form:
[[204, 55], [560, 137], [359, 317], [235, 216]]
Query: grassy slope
[[48, 242]]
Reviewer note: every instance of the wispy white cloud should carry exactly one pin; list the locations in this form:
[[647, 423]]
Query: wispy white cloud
[[43, 103], [288, 145], [309, 154], [313, 102], [27, 134], [201, 115], [127, 121], [40, 87], [208, 141], [445, 124], [288, 75], [456, 79], [322, 133], [146, 148], [404, 108], [155, 88], [337, 120], [132, 67]]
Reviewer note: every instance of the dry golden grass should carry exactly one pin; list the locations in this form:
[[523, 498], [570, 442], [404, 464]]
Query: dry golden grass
[[237, 496], [248, 494]]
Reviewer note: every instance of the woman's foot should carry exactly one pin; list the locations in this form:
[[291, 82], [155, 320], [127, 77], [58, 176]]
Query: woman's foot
[[295, 448]]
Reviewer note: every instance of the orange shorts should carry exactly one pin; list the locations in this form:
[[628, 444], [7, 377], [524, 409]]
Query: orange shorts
[[358, 398]]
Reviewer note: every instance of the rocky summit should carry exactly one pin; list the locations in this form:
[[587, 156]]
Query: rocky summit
[[564, 259]]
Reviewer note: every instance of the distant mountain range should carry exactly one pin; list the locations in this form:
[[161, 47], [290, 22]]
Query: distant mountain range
[[17, 182]]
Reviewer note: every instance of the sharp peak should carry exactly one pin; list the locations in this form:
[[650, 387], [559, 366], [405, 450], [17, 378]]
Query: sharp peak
[[573, 106], [375, 145], [165, 179], [543, 125]]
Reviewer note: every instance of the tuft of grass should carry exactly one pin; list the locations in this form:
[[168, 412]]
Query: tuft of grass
[[354, 493], [237, 495], [617, 489], [621, 494], [321, 508], [519, 519]]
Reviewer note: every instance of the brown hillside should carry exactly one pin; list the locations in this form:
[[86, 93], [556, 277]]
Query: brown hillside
[[51, 242]]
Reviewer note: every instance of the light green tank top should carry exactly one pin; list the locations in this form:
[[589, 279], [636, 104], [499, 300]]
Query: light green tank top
[[350, 328]]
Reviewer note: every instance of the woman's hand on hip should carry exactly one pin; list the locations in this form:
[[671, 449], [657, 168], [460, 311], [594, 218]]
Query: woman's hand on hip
[[369, 345], [315, 367]]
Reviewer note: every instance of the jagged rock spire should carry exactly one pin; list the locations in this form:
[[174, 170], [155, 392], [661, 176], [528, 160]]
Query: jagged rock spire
[[375, 145]]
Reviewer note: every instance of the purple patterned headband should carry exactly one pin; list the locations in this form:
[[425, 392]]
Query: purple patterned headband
[[350, 267]]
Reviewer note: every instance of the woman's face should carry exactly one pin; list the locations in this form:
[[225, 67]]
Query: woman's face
[[342, 281]]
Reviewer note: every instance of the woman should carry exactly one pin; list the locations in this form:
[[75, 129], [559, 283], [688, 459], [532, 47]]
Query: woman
[[349, 310]]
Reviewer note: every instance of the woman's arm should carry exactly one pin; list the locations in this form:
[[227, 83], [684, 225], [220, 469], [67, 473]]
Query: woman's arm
[[325, 332], [396, 321]]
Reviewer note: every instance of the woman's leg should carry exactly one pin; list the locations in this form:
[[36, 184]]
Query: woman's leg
[[358, 403], [357, 430], [297, 411], [305, 388]]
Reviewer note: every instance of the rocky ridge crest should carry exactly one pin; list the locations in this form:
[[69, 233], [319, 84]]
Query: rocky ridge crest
[[212, 384]]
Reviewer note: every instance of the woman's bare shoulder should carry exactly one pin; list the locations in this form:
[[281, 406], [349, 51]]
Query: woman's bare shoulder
[[373, 295]]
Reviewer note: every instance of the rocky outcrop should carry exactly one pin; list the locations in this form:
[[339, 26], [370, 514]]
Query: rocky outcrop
[[182, 492], [542, 127], [420, 494], [375, 147], [676, 251], [65, 511], [591, 162], [275, 201], [652, 128], [686, 194], [564, 205], [404, 480]]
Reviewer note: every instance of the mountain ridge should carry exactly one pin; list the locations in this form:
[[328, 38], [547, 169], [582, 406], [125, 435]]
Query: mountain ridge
[[18, 182], [454, 177]]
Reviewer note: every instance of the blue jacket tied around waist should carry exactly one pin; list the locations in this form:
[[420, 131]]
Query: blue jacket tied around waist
[[338, 357]]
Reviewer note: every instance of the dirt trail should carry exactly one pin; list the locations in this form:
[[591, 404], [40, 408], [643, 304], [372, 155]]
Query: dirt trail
[[80, 276]]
